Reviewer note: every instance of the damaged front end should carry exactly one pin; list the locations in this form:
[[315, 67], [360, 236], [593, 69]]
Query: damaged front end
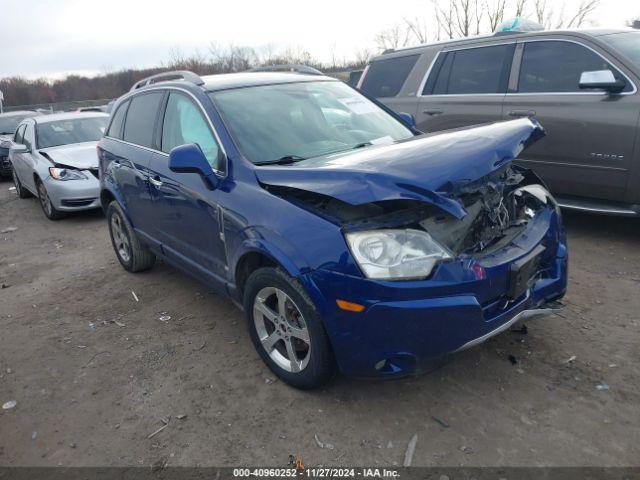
[[453, 194], [498, 208]]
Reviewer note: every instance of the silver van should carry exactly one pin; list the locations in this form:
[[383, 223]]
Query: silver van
[[581, 85]]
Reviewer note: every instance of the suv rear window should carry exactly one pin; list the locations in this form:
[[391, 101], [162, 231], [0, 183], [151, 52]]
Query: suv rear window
[[556, 66], [141, 119], [385, 78], [471, 71]]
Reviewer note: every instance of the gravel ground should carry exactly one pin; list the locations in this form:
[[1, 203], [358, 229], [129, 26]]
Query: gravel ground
[[94, 372]]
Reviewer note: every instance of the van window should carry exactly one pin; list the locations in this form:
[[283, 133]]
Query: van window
[[385, 78], [472, 71], [141, 119], [115, 129], [556, 66], [184, 123]]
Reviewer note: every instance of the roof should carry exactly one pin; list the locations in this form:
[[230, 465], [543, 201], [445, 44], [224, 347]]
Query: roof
[[593, 32], [18, 112], [227, 81], [68, 116]]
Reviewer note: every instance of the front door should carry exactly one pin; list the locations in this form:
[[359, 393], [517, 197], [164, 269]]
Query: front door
[[186, 215], [465, 87], [588, 149]]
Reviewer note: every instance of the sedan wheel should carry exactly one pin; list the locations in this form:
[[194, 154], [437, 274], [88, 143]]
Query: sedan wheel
[[282, 329], [45, 202]]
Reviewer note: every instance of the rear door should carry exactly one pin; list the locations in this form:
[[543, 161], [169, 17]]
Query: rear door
[[464, 86], [29, 159], [186, 216], [134, 126], [588, 149]]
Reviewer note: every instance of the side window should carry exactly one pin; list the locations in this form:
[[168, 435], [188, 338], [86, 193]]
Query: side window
[[385, 78], [556, 66], [185, 123], [19, 135], [473, 71], [141, 119], [27, 138], [115, 129]]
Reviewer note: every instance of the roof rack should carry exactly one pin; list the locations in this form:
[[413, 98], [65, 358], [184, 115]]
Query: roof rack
[[288, 68], [185, 75]]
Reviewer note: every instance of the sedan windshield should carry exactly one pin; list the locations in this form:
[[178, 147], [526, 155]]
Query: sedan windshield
[[75, 130], [9, 123], [627, 43], [290, 122]]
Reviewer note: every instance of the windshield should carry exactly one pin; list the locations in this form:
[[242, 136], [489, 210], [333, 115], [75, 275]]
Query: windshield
[[8, 124], [76, 130], [295, 121], [627, 43]]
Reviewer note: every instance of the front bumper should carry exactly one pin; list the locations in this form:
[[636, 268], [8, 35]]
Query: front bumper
[[408, 323], [74, 195]]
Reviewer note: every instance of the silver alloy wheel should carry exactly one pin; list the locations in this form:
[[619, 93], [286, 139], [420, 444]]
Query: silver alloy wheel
[[44, 199], [120, 238], [282, 329]]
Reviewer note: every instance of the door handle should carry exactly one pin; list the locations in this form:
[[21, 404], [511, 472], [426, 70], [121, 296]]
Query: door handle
[[155, 180], [522, 113], [433, 111]]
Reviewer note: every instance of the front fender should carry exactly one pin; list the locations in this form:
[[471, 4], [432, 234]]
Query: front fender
[[265, 241]]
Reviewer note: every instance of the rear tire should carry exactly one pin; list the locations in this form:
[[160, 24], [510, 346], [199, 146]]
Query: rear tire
[[284, 324], [132, 255], [20, 190], [45, 202]]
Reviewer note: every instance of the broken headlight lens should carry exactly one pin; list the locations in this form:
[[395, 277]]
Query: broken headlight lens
[[66, 174], [396, 254]]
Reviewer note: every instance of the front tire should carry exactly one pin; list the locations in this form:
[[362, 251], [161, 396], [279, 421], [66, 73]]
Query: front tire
[[20, 190], [133, 256], [45, 202], [286, 329]]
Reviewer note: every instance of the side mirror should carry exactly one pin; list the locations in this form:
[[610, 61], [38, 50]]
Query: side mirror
[[189, 158], [601, 79], [19, 148], [408, 119]]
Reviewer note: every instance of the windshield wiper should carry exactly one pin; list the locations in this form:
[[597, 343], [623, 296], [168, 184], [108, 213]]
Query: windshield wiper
[[285, 160], [361, 145]]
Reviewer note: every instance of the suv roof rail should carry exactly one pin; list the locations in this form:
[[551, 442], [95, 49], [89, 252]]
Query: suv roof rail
[[290, 67], [185, 75]]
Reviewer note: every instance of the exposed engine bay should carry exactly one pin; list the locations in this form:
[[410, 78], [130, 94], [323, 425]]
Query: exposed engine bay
[[498, 207]]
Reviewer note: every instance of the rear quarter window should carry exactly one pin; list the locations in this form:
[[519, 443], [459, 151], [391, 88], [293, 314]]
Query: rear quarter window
[[141, 119], [115, 128], [385, 77]]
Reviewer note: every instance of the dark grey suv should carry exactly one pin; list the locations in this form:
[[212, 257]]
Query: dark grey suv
[[580, 85]]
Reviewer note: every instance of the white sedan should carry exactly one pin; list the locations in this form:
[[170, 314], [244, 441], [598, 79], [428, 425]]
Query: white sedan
[[54, 158]]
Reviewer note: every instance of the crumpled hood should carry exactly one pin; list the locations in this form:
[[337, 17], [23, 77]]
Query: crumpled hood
[[432, 168], [79, 155]]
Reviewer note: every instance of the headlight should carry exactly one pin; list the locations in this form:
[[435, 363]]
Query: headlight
[[396, 254], [66, 174]]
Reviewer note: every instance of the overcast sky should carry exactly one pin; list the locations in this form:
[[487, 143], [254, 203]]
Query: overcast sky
[[56, 37]]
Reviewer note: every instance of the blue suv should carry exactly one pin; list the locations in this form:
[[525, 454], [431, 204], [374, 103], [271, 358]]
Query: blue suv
[[351, 241]]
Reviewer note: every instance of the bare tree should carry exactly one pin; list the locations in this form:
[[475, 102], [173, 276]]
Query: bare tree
[[417, 29], [445, 18], [585, 9], [392, 38], [520, 6], [635, 23], [495, 12]]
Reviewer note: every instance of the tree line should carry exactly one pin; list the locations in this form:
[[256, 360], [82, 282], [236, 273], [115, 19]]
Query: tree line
[[446, 19]]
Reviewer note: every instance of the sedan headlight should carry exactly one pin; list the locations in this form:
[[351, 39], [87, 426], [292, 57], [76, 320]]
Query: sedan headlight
[[396, 254], [66, 174]]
